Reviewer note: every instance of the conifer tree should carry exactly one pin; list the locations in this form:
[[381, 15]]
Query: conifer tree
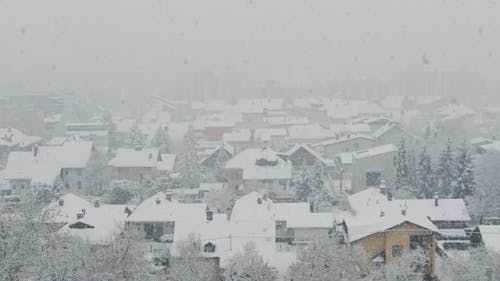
[[425, 182], [465, 182], [446, 173], [190, 170], [402, 164], [161, 140], [136, 137]]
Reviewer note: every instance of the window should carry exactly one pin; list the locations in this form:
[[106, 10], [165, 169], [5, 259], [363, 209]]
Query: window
[[209, 247], [153, 231], [397, 250], [418, 241], [79, 184], [373, 179]]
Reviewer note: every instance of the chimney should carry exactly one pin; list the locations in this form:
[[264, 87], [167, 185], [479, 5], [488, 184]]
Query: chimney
[[436, 199], [96, 204], [79, 216], [128, 211], [35, 151], [61, 202], [84, 211], [210, 215], [158, 201], [168, 197]]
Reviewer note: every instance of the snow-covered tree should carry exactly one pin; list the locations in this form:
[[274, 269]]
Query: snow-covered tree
[[486, 199], [425, 182], [120, 196], [189, 167], [161, 140], [411, 266], [326, 260], [249, 266], [465, 182], [405, 167], [311, 187], [136, 137], [98, 174], [480, 266], [189, 265], [446, 172]]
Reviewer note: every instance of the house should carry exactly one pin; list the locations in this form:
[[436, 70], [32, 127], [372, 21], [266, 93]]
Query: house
[[138, 163], [488, 236], [386, 229], [96, 132], [44, 165], [240, 139], [392, 133], [371, 166], [310, 133], [385, 226], [344, 168], [99, 224], [159, 216], [259, 168], [275, 138], [374, 123], [12, 139], [64, 210], [332, 147], [301, 155], [214, 161]]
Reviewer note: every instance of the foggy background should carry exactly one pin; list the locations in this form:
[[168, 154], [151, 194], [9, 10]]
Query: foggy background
[[224, 48]]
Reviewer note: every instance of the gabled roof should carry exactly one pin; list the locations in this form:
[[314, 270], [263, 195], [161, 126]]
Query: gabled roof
[[208, 154], [386, 128], [243, 135], [167, 162], [247, 160], [374, 151], [345, 138], [135, 157], [490, 235], [11, 137], [106, 222], [158, 208], [313, 131], [71, 206], [318, 156]]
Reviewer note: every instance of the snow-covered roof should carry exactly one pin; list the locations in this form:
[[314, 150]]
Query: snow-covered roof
[[312, 220], [348, 109], [374, 151], [491, 237], [313, 131], [366, 199], [344, 138], [242, 135], [454, 111], [287, 211], [252, 207], [286, 120], [158, 208], [392, 102], [105, 223], [167, 162], [11, 137], [384, 129], [247, 160], [58, 141], [265, 134], [481, 140], [318, 156], [49, 160], [494, 146], [65, 209], [135, 157]]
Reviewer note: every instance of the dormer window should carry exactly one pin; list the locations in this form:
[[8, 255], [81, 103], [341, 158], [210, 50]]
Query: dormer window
[[209, 247]]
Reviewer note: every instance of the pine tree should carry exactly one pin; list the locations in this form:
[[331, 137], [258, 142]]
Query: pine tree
[[136, 138], [465, 182], [446, 172], [161, 140], [301, 187], [190, 169], [402, 164], [425, 183]]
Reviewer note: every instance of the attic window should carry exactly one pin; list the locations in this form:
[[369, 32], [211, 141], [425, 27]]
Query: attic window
[[265, 162], [209, 247], [80, 225]]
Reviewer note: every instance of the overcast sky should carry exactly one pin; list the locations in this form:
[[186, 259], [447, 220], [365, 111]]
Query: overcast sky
[[164, 46]]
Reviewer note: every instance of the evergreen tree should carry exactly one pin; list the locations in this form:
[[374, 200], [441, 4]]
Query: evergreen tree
[[425, 183], [465, 182], [189, 163], [447, 171], [301, 187], [402, 164], [136, 138], [161, 140]]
